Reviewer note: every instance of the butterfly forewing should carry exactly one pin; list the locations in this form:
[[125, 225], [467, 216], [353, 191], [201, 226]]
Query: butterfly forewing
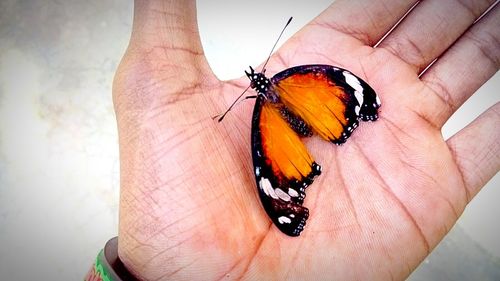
[[327, 98]]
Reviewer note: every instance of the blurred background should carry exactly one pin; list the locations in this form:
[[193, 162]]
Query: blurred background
[[58, 141]]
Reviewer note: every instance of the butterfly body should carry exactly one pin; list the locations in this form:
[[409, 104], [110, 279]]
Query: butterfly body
[[299, 102]]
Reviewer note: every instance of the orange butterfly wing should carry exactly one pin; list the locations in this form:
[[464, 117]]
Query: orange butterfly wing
[[287, 155], [323, 103], [283, 167]]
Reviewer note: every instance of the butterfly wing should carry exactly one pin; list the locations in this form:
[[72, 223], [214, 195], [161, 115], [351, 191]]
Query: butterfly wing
[[329, 99], [283, 167], [313, 98]]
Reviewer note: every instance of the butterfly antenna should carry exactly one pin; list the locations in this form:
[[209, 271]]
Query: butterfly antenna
[[275, 43], [263, 70], [230, 107]]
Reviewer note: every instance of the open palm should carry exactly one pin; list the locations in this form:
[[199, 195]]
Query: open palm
[[189, 206]]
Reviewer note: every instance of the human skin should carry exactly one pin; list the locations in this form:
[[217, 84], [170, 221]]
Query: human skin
[[189, 208]]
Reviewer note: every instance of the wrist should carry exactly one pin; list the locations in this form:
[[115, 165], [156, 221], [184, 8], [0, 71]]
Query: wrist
[[107, 266]]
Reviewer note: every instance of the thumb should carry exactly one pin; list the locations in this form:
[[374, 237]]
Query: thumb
[[164, 56], [167, 32]]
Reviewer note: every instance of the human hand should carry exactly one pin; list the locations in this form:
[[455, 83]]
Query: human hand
[[189, 208]]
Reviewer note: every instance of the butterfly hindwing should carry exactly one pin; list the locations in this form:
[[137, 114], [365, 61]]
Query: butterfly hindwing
[[329, 99], [283, 167]]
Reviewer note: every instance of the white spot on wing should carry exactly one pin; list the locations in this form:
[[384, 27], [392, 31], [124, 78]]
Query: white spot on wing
[[377, 99], [359, 97], [282, 195], [293, 192], [352, 81], [257, 171], [265, 185], [284, 219], [356, 85], [356, 109]]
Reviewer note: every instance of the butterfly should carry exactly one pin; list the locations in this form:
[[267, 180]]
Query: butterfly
[[295, 103], [299, 102]]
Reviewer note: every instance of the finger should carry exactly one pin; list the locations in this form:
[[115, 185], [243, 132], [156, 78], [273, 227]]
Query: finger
[[367, 21], [467, 65], [168, 29], [476, 150], [431, 28]]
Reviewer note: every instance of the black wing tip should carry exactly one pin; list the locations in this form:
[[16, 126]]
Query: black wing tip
[[369, 117], [315, 171], [297, 228], [346, 134]]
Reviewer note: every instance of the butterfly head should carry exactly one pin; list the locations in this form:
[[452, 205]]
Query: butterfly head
[[258, 81]]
